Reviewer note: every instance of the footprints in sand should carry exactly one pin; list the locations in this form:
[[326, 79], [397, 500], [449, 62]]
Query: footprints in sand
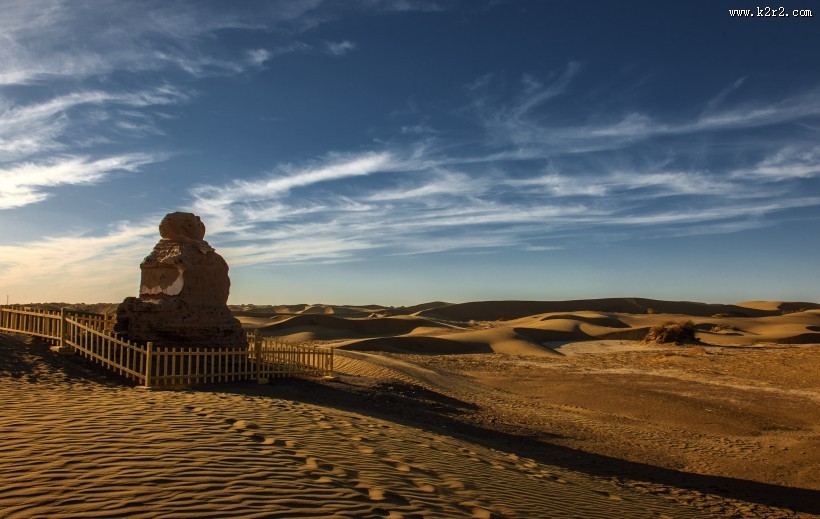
[[241, 424], [377, 493], [247, 429], [285, 448], [415, 478], [424, 485], [387, 473]]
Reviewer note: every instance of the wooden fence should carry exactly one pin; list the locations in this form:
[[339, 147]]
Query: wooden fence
[[90, 336]]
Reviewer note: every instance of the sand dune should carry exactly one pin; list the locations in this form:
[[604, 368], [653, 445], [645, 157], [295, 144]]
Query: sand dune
[[573, 423], [353, 327], [407, 310], [523, 327], [415, 344], [77, 447], [528, 335], [302, 309], [781, 306], [496, 310]]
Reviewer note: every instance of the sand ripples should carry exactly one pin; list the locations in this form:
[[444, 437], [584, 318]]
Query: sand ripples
[[87, 450]]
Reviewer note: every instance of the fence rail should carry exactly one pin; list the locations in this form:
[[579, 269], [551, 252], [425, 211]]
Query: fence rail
[[90, 336]]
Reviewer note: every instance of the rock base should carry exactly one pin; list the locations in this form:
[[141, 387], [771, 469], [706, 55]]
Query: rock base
[[173, 323]]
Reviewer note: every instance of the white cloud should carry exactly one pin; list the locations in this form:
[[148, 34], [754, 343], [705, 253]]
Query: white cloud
[[407, 5], [671, 182], [340, 48], [708, 214], [258, 56], [90, 268], [789, 163], [445, 182], [220, 202], [562, 185], [61, 38], [479, 82], [421, 204], [716, 101], [43, 39], [526, 123], [24, 184], [536, 94], [287, 178], [36, 128], [414, 206]]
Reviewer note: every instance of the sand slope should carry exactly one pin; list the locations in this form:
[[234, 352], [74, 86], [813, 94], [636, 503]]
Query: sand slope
[[78, 445], [453, 330], [496, 310], [335, 327]]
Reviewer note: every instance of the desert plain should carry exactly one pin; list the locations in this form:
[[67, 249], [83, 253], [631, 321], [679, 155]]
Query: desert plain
[[485, 409]]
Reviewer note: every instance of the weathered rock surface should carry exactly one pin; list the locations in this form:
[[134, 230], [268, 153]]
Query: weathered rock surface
[[183, 292]]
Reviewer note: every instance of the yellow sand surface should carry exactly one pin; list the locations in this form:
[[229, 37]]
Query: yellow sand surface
[[561, 411], [77, 444]]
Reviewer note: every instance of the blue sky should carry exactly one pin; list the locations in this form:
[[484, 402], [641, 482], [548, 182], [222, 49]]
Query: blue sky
[[398, 152]]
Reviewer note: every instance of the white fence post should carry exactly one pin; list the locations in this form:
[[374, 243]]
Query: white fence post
[[332, 353], [63, 329], [149, 349], [63, 346], [257, 349]]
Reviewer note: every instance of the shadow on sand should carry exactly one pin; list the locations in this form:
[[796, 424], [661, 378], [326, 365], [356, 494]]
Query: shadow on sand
[[432, 411]]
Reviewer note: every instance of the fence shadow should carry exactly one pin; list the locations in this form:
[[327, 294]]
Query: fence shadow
[[31, 359]]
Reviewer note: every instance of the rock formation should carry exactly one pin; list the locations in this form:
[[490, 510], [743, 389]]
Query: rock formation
[[183, 292]]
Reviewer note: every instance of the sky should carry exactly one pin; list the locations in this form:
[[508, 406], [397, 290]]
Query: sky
[[396, 152]]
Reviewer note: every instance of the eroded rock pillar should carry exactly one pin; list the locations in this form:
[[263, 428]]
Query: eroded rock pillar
[[183, 293]]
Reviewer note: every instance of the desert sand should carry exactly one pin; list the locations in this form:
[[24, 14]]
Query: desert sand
[[489, 409]]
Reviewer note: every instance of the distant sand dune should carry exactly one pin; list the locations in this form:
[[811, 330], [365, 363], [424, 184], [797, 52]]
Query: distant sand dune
[[523, 327], [528, 323], [362, 327], [781, 306], [597, 319], [422, 345], [495, 310]]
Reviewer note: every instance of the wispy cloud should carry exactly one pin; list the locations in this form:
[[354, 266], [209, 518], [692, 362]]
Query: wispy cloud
[[41, 142], [25, 183], [47, 39], [443, 182], [34, 128], [388, 203], [528, 123], [792, 162], [59, 38], [422, 203], [74, 263], [340, 48], [716, 101], [408, 5], [220, 202]]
